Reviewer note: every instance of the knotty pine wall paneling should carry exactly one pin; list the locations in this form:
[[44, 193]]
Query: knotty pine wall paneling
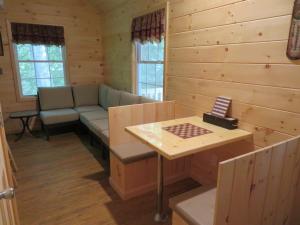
[[83, 35], [116, 40], [235, 48], [220, 47]]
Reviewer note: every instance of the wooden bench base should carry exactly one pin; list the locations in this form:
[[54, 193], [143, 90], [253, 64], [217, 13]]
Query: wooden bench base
[[177, 220], [137, 178]]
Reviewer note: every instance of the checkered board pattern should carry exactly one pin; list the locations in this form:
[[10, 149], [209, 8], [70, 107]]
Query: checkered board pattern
[[187, 130], [221, 106]]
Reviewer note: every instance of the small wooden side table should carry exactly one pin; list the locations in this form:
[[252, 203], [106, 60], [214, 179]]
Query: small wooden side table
[[25, 117]]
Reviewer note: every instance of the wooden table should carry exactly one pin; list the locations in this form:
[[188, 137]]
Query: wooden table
[[171, 146]]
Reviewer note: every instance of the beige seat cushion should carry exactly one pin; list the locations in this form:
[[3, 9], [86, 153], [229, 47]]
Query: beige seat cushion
[[59, 116], [83, 109], [146, 100], [103, 90], [104, 136], [99, 114], [55, 98], [98, 125], [99, 128], [86, 95], [128, 98], [196, 207], [129, 153], [113, 98]]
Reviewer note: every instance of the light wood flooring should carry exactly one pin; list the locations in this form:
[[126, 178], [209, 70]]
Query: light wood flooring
[[65, 182]]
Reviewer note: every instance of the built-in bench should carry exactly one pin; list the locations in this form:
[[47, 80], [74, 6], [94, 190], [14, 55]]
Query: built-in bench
[[133, 165], [61, 106], [258, 188]]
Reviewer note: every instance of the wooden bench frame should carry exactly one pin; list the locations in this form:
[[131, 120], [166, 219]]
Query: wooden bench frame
[[258, 188], [133, 179]]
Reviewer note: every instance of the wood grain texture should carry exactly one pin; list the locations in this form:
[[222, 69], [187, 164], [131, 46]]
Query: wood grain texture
[[73, 185], [263, 189], [83, 36], [139, 177]]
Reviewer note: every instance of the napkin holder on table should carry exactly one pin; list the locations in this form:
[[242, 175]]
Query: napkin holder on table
[[227, 122]]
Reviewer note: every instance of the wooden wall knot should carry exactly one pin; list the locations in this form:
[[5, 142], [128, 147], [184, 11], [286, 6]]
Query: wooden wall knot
[[252, 188]]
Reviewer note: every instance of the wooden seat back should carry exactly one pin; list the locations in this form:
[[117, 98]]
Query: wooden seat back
[[260, 188], [123, 116]]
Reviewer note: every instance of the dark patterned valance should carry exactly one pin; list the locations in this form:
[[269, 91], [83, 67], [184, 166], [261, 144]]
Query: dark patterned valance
[[150, 27], [23, 33]]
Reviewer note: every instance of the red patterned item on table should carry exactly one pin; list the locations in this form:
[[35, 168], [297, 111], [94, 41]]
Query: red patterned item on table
[[187, 130], [221, 106]]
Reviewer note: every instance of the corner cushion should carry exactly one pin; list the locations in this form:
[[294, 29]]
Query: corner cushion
[[58, 116], [55, 98], [132, 152], [86, 95]]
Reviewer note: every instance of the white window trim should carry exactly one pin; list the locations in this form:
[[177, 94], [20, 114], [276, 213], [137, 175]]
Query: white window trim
[[139, 61], [33, 97]]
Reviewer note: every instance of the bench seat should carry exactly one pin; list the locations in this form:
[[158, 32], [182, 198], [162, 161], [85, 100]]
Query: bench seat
[[57, 116], [196, 207], [98, 114], [83, 109], [132, 152]]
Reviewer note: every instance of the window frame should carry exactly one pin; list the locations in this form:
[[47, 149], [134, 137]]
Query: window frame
[[18, 75], [138, 60]]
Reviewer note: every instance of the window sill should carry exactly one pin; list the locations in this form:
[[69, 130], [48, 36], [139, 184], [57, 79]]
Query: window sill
[[27, 98]]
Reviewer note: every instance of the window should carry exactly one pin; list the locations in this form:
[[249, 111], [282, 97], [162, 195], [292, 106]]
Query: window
[[150, 69], [39, 66]]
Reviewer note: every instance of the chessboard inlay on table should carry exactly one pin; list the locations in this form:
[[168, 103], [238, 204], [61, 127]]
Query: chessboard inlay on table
[[187, 130]]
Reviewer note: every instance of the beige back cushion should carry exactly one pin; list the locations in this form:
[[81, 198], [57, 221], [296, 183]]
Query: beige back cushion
[[113, 98], [146, 100], [129, 99], [85, 95], [103, 95], [55, 98]]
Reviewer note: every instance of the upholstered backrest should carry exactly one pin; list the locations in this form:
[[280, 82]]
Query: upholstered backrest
[[146, 100], [85, 95], [55, 98], [260, 187], [124, 116], [128, 98], [113, 98], [103, 90]]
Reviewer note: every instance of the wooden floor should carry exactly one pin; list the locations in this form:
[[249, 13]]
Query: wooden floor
[[65, 182]]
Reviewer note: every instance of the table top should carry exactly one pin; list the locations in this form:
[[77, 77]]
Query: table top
[[172, 146], [22, 114]]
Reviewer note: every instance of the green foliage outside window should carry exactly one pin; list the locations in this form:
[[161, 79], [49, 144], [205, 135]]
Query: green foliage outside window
[[40, 66]]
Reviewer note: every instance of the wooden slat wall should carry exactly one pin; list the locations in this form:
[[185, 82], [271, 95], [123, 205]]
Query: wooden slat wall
[[221, 47], [83, 44], [259, 187], [236, 48]]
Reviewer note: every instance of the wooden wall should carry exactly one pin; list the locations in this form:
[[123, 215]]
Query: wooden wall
[[236, 48], [116, 40], [221, 47], [83, 44]]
